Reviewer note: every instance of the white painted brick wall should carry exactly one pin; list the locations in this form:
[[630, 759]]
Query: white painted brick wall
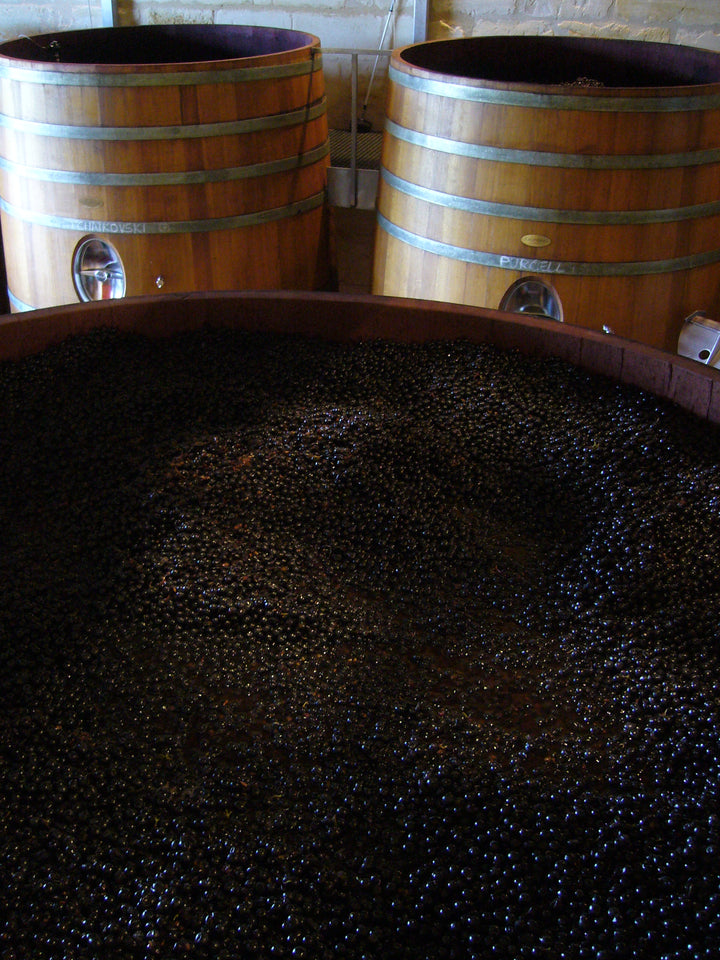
[[18, 17], [357, 22]]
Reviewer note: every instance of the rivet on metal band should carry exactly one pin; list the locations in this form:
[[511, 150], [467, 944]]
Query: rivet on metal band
[[547, 214], [539, 158], [529, 265], [553, 101], [64, 78], [226, 128], [164, 226], [222, 175]]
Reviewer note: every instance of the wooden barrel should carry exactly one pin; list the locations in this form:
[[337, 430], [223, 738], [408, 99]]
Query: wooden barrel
[[588, 167], [141, 160]]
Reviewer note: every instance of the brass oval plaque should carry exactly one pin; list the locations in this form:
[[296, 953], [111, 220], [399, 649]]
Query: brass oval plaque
[[535, 240]]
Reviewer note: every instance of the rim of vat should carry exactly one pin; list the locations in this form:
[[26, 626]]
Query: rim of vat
[[123, 47], [642, 67], [356, 317]]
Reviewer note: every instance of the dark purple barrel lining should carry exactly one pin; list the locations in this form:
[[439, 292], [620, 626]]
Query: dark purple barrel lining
[[186, 43], [562, 60]]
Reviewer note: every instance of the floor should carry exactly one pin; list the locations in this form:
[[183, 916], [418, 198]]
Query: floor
[[354, 238]]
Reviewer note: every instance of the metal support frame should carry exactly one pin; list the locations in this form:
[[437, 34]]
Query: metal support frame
[[354, 120], [421, 20], [354, 186], [109, 12]]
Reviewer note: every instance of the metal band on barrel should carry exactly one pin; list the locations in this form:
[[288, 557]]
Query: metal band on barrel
[[19, 305], [64, 78], [226, 128], [165, 227], [178, 178], [529, 265], [546, 214], [553, 101], [539, 158]]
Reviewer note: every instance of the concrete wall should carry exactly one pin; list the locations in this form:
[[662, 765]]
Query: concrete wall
[[359, 24]]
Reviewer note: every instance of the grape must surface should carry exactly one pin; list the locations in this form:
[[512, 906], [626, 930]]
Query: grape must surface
[[317, 650]]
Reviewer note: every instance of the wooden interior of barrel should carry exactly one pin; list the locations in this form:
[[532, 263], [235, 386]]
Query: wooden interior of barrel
[[347, 317]]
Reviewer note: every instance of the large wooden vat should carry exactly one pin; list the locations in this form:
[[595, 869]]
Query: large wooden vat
[[591, 165], [231, 676], [344, 317], [171, 158]]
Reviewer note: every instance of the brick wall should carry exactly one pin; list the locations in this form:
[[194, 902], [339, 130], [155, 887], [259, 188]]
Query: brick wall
[[695, 22], [358, 24]]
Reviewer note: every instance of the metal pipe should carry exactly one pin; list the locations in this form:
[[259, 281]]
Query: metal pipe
[[354, 124], [420, 21], [381, 43], [109, 12]]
